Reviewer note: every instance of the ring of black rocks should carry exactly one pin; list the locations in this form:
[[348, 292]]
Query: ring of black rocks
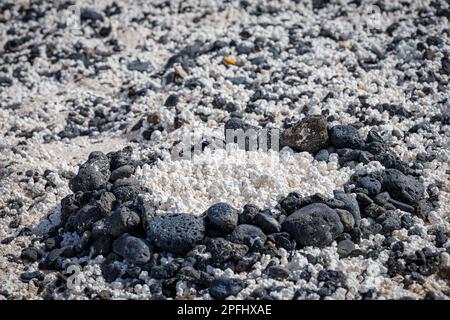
[[109, 213]]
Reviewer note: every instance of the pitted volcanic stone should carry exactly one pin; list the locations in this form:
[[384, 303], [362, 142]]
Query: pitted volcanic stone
[[314, 225], [83, 219], [248, 214], [176, 232], [345, 136], [371, 184], [223, 250], [222, 217], [402, 187], [309, 135], [126, 189], [93, 174], [119, 221]]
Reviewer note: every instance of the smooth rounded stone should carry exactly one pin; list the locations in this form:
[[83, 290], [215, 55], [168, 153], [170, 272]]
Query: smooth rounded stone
[[345, 248], [222, 288], [222, 217], [401, 187], [126, 189], [322, 155], [346, 218], [121, 220], [92, 175], [278, 272], [172, 101], [310, 134], [372, 185], [122, 172], [334, 203], [247, 216], [345, 136], [247, 234], [223, 250], [267, 223], [351, 205], [314, 225], [132, 249], [176, 232], [83, 219]]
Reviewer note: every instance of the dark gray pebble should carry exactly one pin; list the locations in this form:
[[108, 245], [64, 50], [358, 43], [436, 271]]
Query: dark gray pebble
[[322, 155], [247, 234], [346, 218], [224, 287], [132, 249], [351, 204], [314, 225], [278, 273], [222, 217], [83, 219], [345, 248], [122, 172], [267, 223]]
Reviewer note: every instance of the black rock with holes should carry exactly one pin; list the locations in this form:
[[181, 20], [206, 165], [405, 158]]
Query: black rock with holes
[[176, 232]]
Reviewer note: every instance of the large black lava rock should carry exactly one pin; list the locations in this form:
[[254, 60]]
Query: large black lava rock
[[310, 134], [176, 232], [222, 217], [93, 174], [402, 187], [314, 225], [345, 136]]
